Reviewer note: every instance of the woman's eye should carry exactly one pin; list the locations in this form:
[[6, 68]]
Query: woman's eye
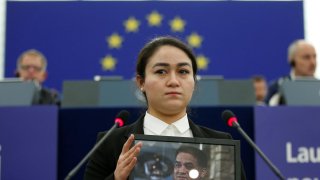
[[183, 71], [160, 71]]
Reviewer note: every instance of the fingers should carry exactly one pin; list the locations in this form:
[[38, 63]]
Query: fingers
[[127, 159], [128, 153], [131, 165], [130, 161], [128, 143]]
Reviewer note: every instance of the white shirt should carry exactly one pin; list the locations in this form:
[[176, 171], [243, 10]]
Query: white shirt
[[155, 126]]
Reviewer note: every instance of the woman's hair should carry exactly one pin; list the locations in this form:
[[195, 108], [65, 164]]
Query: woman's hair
[[150, 48]]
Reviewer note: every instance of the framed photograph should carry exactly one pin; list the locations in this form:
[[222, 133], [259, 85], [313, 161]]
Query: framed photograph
[[177, 158]]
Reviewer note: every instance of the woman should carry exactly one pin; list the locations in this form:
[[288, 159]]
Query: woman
[[166, 75]]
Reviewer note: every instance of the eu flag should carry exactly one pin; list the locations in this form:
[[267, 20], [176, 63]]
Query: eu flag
[[82, 39]]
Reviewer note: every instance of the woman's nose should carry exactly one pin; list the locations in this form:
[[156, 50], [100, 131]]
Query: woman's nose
[[173, 80]]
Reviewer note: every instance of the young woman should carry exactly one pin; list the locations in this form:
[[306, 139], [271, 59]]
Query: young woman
[[166, 75]]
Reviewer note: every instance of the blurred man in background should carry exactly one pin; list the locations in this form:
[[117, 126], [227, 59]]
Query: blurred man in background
[[260, 88], [32, 66], [302, 60]]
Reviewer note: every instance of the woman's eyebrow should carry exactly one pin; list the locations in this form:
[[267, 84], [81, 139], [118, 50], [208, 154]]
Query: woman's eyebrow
[[167, 64]]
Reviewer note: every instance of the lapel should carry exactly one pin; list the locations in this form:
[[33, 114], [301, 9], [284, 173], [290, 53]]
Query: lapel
[[135, 128], [196, 131]]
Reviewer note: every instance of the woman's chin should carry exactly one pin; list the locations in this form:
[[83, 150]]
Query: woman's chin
[[175, 107]]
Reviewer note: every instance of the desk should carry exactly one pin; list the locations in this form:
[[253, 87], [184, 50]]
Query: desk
[[28, 140], [289, 136], [28, 136]]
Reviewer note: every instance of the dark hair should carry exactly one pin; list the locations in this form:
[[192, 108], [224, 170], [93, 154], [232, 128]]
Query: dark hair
[[197, 153], [150, 48], [258, 78]]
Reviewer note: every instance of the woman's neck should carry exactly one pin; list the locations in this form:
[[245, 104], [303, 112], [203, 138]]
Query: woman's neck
[[168, 118]]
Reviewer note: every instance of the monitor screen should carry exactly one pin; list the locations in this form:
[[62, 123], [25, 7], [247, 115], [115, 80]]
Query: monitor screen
[[301, 92], [18, 93]]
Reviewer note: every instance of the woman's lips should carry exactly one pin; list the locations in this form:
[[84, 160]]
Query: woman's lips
[[173, 93]]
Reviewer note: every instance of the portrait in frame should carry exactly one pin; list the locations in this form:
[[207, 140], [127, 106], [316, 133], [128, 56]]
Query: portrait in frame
[[177, 158]]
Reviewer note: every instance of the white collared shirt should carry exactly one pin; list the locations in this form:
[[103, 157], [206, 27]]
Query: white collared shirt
[[155, 126]]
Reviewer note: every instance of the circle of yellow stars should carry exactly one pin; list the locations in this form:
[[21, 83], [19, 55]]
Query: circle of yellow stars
[[154, 19]]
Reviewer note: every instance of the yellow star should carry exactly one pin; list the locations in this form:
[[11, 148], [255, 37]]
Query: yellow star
[[154, 18], [108, 63], [177, 24], [202, 62], [114, 41], [194, 40], [131, 24]]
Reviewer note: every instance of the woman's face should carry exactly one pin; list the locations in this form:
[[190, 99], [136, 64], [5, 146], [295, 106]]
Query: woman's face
[[169, 81]]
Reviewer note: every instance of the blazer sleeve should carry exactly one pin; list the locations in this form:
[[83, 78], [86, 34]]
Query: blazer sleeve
[[103, 161]]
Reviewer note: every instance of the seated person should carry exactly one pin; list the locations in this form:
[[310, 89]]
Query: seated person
[[31, 66], [303, 63], [260, 88]]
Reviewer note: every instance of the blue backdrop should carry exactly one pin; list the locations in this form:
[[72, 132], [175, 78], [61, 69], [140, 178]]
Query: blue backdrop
[[82, 39]]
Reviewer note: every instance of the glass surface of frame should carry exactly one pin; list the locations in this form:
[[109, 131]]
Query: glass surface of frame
[[166, 158]]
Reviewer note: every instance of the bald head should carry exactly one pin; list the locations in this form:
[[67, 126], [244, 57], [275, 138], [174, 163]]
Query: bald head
[[302, 58]]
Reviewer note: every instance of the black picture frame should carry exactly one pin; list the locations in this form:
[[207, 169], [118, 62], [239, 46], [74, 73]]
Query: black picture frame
[[157, 158]]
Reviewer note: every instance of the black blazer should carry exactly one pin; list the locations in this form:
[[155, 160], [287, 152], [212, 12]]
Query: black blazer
[[47, 96], [102, 163]]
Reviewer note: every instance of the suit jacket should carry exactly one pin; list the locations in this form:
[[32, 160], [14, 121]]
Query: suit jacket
[[48, 97], [102, 163], [274, 88]]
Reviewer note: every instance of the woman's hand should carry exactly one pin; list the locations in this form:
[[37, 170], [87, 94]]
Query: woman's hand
[[127, 159]]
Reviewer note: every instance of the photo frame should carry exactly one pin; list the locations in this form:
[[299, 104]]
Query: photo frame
[[167, 158]]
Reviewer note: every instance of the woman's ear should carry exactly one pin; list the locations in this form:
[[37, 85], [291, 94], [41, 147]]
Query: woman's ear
[[140, 82]]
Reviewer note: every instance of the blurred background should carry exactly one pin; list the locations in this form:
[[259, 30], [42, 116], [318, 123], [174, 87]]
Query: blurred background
[[81, 39]]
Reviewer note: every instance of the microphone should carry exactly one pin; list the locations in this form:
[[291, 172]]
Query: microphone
[[119, 121], [232, 121]]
